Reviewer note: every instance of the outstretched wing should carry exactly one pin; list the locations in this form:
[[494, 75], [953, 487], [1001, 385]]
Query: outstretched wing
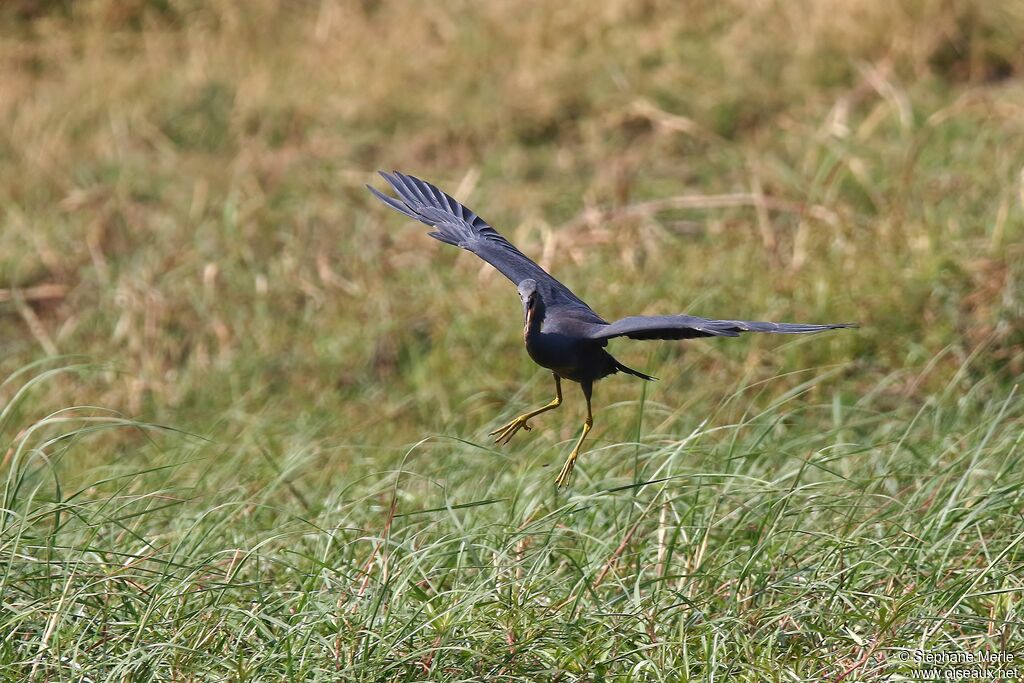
[[458, 225], [690, 327]]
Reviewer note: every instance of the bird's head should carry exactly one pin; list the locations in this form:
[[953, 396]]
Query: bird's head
[[532, 305], [528, 293]]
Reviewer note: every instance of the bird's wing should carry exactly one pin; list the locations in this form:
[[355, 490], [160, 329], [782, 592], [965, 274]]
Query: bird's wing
[[458, 225], [690, 327]]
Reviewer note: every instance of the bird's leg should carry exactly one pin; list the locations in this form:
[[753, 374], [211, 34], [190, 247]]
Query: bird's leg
[[563, 477], [503, 434]]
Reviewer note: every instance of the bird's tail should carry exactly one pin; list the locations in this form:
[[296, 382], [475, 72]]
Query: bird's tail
[[630, 371]]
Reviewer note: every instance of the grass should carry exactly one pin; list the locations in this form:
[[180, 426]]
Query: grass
[[244, 419]]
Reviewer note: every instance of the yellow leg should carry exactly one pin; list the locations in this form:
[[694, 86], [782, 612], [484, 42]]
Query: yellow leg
[[503, 434], [563, 477]]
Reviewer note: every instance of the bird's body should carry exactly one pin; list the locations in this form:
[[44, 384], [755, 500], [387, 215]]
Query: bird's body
[[569, 358], [557, 342], [560, 331]]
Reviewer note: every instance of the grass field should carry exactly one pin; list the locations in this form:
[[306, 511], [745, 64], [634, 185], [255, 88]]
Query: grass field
[[244, 406]]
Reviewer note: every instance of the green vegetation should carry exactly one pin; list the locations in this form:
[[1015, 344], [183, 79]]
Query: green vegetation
[[243, 423]]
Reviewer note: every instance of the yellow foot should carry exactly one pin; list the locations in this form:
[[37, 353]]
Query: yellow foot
[[503, 434], [562, 480]]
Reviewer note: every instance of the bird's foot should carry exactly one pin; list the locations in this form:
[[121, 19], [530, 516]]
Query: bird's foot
[[502, 435], [562, 480]]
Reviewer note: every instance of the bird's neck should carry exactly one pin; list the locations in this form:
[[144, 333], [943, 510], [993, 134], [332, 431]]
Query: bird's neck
[[534, 318]]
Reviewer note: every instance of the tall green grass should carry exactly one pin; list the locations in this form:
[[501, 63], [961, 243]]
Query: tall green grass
[[753, 550]]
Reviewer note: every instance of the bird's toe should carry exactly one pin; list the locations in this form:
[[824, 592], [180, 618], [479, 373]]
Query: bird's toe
[[563, 478], [504, 434], [500, 432]]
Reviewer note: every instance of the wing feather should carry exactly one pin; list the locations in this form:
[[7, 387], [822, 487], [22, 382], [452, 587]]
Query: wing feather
[[457, 224], [691, 327]]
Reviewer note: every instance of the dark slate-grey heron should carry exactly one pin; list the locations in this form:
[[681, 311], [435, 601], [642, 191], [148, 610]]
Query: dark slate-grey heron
[[561, 332]]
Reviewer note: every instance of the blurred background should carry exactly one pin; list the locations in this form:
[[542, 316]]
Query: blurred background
[[244, 418], [182, 195]]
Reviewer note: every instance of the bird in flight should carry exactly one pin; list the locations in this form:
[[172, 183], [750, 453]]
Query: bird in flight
[[561, 332]]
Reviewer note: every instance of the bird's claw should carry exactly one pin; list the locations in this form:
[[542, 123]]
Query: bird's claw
[[562, 480], [504, 434]]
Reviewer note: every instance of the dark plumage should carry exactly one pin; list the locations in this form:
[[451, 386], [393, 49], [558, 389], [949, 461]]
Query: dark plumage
[[561, 332]]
